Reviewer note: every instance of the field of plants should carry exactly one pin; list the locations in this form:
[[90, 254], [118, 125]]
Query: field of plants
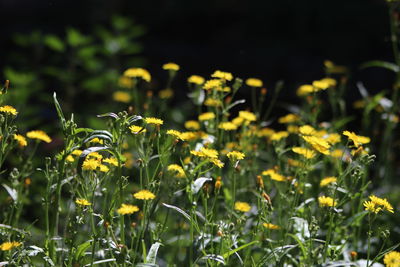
[[212, 174]]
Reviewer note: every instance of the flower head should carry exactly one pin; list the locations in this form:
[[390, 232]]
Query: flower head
[[206, 116], [242, 206], [327, 180], [307, 153], [152, 120], [318, 144], [358, 140], [39, 135], [247, 115], [274, 175], [90, 164], [138, 73], [192, 125], [227, 126], [144, 195], [21, 140], [137, 129], [82, 202], [9, 110], [253, 82], [127, 209], [9, 245], [235, 155], [111, 161], [121, 96], [171, 66], [377, 204], [392, 259], [222, 75], [196, 79], [326, 201], [289, 118], [177, 169], [271, 226]]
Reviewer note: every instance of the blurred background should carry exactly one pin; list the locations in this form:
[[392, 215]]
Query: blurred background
[[78, 49]]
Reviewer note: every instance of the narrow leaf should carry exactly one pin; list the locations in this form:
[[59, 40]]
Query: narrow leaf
[[227, 254], [381, 64], [196, 185], [151, 257]]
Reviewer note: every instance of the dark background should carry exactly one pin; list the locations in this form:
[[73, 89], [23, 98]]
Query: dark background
[[272, 40]]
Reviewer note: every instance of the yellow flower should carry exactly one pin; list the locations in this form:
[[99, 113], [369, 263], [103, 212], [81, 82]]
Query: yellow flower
[[238, 121], [21, 140], [205, 152], [242, 206], [82, 202], [90, 164], [279, 135], [289, 118], [175, 133], [326, 201], [136, 129], [70, 158], [333, 138], [96, 141], [307, 130], [76, 152], [377, 204], [327, 180], [324, 83], [121, 96], [271, 226], [9, 110], [253, 82], [95, 155], [9, 245], [144, 195], [138, 73], [166, 93], [171, 66], [218, 163], [152, 120], [307, 153], [179, 172], [39, 135], [206, 116], [235, 155], [213, 84], [112, 161], [192, 125], [318, 144], [196, 79], [392, 259], [222, 75], [305, 90], [358, 140], [227, 126], [274, 175], [337, 153], [189, 136], [104, 168], [125, 82], [247, 115], [212, 102], [127, 209], [292, 128]]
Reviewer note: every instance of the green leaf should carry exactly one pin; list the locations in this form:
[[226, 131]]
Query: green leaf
[[302, 248], [381, 64], [59, 111], [54, 43], [80, 251], [229, 253], [187, 216]]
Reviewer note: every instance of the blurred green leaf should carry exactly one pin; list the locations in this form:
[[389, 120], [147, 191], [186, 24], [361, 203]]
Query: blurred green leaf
[[54, 43]]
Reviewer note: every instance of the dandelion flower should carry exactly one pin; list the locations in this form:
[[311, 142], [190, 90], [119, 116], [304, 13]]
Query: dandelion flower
[[279, 135], [206, 116], [178, 170], [307, 153], [9, 245], [227, 126], [76, 152], [358, 140], [247, 115], [144, 195], [192, 125], [213, 84], [171, 66], [307, 130], [205, 152], [112, 161], [136, 129], [104, 168], [327, 180], [90, 164], [274, 175], [377, 204], [326, 201], [138, 73], [218, 163], [39, 135], [242, 206], [392, 259], [82, 202], [222, 75], [305, 90], [212, 102], [9, 110], [127, 209], [271, 226], [196, 79], [235, 155], [318, 144], [324, 84], [253, 82], [166, 93], [289, 118], [21, 140], [121, 96], [155, 121]]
